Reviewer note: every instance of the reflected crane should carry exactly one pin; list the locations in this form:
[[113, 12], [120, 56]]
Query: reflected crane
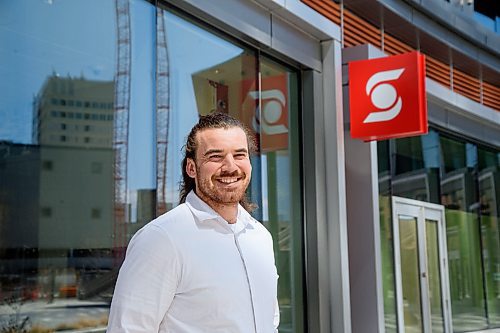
[[121, 126], [162, 112], [121, 122]]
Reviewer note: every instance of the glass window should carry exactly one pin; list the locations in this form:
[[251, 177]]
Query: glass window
[[212, 74], [416, 167], [463, 177], [459, 196], [386, 238], [409, 155], [489, 200], [47, 165], [51, 51], [275, 121], [61, 248], [95, 213], [46, 212]]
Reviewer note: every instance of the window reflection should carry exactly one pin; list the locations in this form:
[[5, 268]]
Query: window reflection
[[463, 177], [212, 74], [458, 195], [416, 167], [386, 236], [274, 121], [206, 73], [57, 221], [489, 187], [90, 147], [412, 306]]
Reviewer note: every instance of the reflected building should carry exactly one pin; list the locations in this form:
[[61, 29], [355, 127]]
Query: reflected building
[[19, 186], [146, 205], [74, 112], [73, 126]]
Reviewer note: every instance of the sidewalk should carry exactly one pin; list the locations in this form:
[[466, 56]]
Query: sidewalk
[[70, 315]]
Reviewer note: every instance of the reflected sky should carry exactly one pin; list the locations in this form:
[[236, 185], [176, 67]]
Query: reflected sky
[[38, 38], [191, 50], [41, 38], [78, 39]]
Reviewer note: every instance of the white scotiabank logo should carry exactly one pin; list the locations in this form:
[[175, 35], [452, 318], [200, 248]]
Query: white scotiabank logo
[[273, 102], [384, 96]]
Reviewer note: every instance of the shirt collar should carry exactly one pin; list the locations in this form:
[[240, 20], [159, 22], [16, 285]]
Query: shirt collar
[[203, 212]]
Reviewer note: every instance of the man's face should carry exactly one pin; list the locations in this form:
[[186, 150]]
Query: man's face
[[222, 169]]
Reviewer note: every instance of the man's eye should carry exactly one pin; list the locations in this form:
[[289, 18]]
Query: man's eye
[[215, 157], [240, 156]]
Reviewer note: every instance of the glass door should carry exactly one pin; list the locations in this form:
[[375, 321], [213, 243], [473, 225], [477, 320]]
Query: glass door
[[421, 267]]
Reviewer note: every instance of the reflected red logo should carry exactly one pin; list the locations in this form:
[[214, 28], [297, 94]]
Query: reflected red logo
[[269, 119], [387, 97]]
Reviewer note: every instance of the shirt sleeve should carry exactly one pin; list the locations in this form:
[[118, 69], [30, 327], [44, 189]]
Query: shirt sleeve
[[146, 283], [276, 320]]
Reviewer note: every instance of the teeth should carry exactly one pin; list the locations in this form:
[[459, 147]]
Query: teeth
[[228, 180]]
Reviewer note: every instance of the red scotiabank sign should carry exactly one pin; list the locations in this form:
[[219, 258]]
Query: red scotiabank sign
[[387, 97]]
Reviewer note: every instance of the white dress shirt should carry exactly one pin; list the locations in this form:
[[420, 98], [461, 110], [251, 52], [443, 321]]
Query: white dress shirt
[[189, 271]]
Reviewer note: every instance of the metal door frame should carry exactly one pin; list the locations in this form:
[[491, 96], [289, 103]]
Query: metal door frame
[[422, 211]]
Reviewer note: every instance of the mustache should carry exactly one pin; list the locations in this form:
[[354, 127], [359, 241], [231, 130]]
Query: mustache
[[235, 173]]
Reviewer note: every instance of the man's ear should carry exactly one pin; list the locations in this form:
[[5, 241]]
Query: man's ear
[[191, 168]]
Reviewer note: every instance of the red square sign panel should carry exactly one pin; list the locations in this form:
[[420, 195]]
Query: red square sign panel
[[387, 97], [269, 119]]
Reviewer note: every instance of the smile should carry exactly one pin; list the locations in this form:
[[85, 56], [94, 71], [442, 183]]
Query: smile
[[228, 180]]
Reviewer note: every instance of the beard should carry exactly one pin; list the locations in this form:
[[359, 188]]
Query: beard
[[216, 193]]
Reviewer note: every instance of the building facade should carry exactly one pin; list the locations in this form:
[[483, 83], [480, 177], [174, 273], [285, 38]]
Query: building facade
[[399, 235]]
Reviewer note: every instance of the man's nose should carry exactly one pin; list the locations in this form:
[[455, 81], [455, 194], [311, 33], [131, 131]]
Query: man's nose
[[228, 163]]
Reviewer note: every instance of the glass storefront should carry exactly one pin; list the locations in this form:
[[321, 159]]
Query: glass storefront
[[463, 176], [94, 115]]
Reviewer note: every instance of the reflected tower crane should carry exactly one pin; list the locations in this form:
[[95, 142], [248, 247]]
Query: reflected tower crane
[[162, 112], [121, 127]]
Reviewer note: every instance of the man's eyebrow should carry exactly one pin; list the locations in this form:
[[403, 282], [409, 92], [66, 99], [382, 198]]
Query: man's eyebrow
[[212, 151], [218, 151]]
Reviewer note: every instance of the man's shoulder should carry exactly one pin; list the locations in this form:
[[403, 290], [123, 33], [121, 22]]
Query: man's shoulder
[[178, 215], [167, 225]]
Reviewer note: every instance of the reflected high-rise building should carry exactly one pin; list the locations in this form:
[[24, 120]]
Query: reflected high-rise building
[[19, 186], [73, 124], [74, 112]]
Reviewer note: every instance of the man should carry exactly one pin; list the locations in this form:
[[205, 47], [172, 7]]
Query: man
[[206, 265]]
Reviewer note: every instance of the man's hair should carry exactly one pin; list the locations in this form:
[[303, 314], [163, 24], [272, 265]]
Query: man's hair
[[212, 120]]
